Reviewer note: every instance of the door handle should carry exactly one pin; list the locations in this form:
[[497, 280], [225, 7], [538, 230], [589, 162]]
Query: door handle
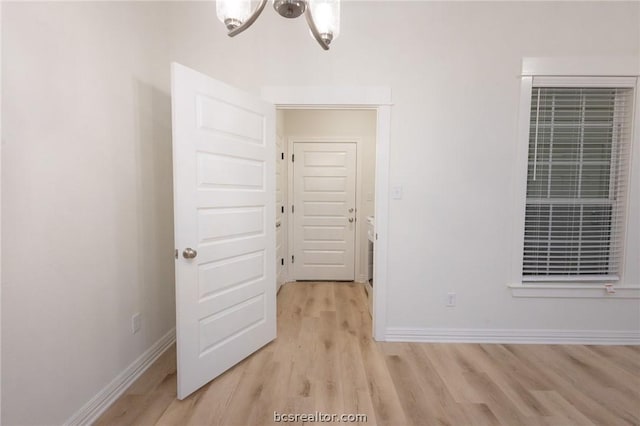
[[350, 220], [189, 253], [351, 210]]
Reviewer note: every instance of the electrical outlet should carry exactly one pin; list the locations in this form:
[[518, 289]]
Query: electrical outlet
[[451, 299], [135, 323]]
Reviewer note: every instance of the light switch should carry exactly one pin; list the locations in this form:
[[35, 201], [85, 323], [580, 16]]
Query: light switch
[[396, 192]]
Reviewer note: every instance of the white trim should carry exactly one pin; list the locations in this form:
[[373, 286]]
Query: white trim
[[380, 263], [289, 201], [633, 198], [282, 276], [581, 66], [520, 181], [568, 81], [513, 336], [291, 140], [378, 98], [570, 278], [90, 412], [562, 290], [287, 97]]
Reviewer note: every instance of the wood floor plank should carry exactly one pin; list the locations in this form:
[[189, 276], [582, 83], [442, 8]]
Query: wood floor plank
[[384, 396], [216, 400], [561, 411], [568, 384], [478, 415], [300, 382], [596, 381], [123, 411], [611, 371], [522, 370], [274, 380], [517, 393], [324, 359], [440, 355], [150, 379], [622, 356], [414, 402], [497, 400], [355, 395], [159, 400], [436, 395], [249, 388], [326, 374], [179, 411]]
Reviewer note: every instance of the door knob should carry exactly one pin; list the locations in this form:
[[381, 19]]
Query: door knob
[[350, 219], [189, 253], [351, 210]]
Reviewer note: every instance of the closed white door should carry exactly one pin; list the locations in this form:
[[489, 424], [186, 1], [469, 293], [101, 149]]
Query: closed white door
[[224, 202], [324, 188]]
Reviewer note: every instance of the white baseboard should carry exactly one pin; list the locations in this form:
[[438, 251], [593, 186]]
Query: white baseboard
[[473, 335], [90, 412]]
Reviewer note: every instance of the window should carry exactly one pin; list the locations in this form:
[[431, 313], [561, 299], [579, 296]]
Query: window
[[578, 164]]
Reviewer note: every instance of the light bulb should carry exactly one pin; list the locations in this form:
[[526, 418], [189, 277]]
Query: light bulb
[[233, 13], [326, 15]]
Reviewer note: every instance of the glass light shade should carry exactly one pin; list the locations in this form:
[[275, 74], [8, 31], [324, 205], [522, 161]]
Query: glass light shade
[[233, 13], [326, 15]]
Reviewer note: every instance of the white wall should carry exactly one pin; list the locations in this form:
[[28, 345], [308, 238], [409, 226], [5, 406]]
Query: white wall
[[453, 69], [86, 184], [331, 124], [87, 191]]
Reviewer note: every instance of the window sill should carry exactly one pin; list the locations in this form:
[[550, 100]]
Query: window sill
[[581, 291]]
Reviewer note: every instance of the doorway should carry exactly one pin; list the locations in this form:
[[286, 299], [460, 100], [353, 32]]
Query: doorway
[[330, 175], [378, 100]]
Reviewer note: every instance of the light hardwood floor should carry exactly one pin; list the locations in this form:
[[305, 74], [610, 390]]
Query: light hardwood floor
[[325, 360]]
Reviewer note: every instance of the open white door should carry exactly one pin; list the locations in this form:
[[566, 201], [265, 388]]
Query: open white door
[[224, 202]]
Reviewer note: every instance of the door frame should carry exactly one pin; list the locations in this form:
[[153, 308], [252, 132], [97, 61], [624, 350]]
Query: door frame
[[284, 215], [353, 97], [290, 200]]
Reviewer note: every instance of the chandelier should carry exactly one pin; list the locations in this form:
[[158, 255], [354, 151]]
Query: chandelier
[[323, 16]]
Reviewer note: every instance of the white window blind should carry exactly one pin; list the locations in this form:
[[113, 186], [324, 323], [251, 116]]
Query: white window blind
[[579, 148]]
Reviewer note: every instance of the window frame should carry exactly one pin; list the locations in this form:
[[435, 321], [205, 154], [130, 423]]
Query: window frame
[[568, 72]]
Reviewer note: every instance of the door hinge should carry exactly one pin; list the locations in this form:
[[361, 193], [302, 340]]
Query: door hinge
[[293, 209], [282, 261], [293, 259], [282, 155], [282, 209], [293, 156]]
